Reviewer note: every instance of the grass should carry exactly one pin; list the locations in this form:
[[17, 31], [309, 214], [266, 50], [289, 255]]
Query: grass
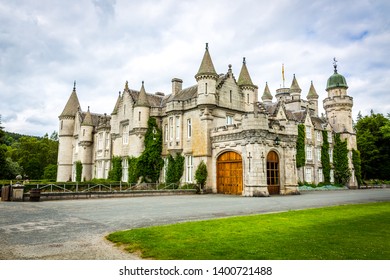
[[348, 232]]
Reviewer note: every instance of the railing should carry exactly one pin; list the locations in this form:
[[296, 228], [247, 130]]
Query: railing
[[121, 187]]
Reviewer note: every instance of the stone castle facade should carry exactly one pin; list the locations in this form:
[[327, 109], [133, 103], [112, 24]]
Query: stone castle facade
[[249, 147]]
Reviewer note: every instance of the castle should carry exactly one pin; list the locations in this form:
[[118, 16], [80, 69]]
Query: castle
[[249, 147]]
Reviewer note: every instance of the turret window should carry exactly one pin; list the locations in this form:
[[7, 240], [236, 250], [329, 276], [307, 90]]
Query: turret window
[[139, 116], [205, 88]]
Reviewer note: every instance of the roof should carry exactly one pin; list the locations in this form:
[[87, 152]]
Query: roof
[[244, 78], [312, 92], [88, 119], [142, 98], [267, 93], [184, 94], [72, 106], [336, 81], [294, 86], [207, 66]]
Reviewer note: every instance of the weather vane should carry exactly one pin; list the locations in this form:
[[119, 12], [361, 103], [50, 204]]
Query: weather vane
[[335, 64]]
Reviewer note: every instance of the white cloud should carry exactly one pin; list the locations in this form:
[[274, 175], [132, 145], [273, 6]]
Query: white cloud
[[46, 45]]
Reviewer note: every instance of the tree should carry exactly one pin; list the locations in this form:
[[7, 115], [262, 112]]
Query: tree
[[373, 142], [3, 150], [357, 165], [201, 174], [79, 171], [340, 161]]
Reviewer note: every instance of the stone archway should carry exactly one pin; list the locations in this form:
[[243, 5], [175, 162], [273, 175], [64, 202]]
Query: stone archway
[[229, 173], [273, 173]]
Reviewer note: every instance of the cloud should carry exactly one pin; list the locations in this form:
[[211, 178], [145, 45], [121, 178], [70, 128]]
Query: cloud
[[46, 45]]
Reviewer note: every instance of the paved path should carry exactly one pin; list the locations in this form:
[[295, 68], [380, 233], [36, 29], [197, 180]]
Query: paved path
[[75, 229]]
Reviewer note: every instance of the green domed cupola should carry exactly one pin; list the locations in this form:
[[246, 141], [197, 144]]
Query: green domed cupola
[[336, 80]]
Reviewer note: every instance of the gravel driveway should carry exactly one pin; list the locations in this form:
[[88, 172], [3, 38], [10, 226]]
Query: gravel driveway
[[75, 229]]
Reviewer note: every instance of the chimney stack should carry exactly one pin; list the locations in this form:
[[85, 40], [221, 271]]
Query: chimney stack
[[177, 85]]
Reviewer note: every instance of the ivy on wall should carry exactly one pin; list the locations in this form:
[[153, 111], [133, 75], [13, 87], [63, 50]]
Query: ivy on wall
[[300, 146], [150, 162], [357, 165], [79, 171], [340, 161], [115, 173], [133, 170], [325, 159], [175, 169]]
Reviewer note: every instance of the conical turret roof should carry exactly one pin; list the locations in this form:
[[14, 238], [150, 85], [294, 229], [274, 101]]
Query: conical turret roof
[[244, 79], [267, 93], [142, 98], [294, 86], [207, 66], [312, 92], [88, 118], [73, 104]]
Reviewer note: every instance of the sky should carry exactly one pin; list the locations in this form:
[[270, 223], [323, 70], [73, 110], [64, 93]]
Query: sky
[[46, 45]]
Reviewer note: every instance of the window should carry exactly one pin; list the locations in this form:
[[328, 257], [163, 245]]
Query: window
[[166, 132], [125, 134], [205, 90], [177, 123], [318, 136], [229, 120], [318, 150], [331, 176], [308, 175], [189, 169], [165, 168], [125, 170], [231, 97], [308, 132], [330, 155], [99, 170], [320, 175], [107, 141], [247, 98], [124, 109], [171, 128], [100, 141], [309, 154], [107, 168], [330, 137], [139, 116], [189, 128]]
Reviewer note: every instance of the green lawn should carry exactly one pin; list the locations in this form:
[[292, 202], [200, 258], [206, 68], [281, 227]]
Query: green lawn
[[346, 232]]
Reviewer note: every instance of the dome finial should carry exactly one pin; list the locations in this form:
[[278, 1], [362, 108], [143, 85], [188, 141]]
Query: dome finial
[[335, 65], [207, 46], [243, 60], [74, 85]]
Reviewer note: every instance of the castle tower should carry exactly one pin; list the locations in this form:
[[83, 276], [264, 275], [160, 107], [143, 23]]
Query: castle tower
[[267, 96], [207, 79], [65, 137], [295, 90], [249, 90], [86, 148], [338, 107], [312, 97]]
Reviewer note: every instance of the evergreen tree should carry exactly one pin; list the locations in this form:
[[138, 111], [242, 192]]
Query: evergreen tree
[[340, 161], [201, 174]]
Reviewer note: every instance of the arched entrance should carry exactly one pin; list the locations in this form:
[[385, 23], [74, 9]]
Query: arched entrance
[[229, 173], [273, 180]]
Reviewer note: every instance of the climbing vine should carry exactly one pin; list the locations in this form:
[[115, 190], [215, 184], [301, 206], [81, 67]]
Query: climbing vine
[[133, 170], [325, 159], [175, 169], [340, 161], [300, 146], [150, 162], [79, 171], [115, 173], [357, 165]]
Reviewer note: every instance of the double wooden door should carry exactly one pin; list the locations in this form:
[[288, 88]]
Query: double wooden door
[[229, 173]]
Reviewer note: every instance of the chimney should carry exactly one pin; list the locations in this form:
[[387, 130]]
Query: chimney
[[177, 85]]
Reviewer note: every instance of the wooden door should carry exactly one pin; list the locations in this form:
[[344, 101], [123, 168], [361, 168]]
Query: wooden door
[[273, 179], [229, 173]]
